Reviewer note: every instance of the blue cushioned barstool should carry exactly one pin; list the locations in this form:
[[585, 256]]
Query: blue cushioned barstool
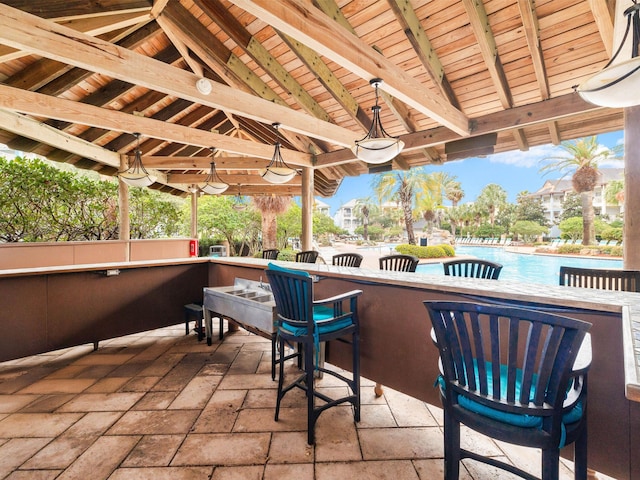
[[514, 374], [193, 311], [306, 323]]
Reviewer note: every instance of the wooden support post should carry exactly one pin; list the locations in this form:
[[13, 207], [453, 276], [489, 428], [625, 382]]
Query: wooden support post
[[631, 253], [307, 209]]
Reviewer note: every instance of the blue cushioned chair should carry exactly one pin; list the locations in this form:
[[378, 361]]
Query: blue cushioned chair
[[307, 322], [513, 374]]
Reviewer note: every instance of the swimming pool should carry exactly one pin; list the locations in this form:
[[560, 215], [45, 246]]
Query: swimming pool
[[524, 267]]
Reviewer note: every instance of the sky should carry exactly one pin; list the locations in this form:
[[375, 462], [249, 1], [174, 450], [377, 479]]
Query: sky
[[515, 171]]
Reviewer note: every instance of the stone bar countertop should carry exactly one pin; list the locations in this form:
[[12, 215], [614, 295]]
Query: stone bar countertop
[[625, 303]]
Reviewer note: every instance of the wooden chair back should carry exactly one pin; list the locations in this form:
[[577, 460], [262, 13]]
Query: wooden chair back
[[347, 259], [472, 267], [603, 279], [399, 263], [308, 256]]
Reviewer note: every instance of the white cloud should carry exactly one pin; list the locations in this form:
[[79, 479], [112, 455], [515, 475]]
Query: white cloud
[[535, 157], [532, 158]]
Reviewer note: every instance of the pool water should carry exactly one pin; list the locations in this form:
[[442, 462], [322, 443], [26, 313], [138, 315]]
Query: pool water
[[524, 267]]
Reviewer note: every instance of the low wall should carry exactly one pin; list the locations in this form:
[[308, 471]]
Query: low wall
[[52, 254], [50, 310]]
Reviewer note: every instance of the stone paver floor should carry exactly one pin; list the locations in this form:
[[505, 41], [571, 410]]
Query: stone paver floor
[[161, 405]]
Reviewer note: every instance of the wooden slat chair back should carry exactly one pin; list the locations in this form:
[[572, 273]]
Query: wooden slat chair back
[[603, 279], [308, 256], [472, 267], [399, 263], [270, 254], [511, 374], [347, 259]]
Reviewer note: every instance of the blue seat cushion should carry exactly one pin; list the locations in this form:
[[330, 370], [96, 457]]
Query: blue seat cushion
[[518, 420]]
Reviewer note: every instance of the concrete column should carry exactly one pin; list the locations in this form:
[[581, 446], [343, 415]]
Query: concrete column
[[631, 237], [124, 228], [307, 208]]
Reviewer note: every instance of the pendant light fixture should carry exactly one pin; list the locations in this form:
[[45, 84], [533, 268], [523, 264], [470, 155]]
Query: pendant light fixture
[[239, 202], [213, 185], [277, 171], [617, 86], [377, 146], [136, 175]]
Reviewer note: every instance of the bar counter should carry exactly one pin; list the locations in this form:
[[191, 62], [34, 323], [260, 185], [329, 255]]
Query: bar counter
[[397, 352], [49, 308]]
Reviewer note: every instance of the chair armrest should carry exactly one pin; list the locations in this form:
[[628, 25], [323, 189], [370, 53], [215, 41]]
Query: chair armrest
[[338, 298]]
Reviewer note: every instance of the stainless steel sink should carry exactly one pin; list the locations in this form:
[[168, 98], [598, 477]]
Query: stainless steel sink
[[247, 302]]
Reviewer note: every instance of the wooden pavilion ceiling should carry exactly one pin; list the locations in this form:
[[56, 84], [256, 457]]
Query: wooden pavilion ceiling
[[461, 79]]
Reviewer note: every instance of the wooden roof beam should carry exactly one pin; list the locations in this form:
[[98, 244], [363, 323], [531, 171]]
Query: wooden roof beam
[[95, 26], [70, 111], [307, 24], [541, 112], [488, 49], [532, 32], [28, 32], [244, 179], [407, 17], [25, 126], [252, 46], [602, 13]]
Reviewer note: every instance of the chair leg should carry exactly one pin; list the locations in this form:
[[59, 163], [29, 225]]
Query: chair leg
[[550, 463], [355, 348], [451, 447], [280, 376], [580, 455], [309, 372]]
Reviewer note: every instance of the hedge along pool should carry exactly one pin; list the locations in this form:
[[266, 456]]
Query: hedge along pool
[[525, 267]]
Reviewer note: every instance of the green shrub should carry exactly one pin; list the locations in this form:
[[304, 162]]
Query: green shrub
[[448, 249], [612, 233], [287, 254], [570, 249], [611, 250], [431, 251]]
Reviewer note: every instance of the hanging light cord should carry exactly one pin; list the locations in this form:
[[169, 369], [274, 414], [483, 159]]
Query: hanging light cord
[[277, 156], [137, 165], [376, 130]]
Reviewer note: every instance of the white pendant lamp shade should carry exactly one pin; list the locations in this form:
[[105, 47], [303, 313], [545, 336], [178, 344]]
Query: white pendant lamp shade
[[213, 184], [617, 85], [600, 89], [214, 188], [136, 175], [377, 146], [377, 150], [137, 179], [277, 174], [277, 171]]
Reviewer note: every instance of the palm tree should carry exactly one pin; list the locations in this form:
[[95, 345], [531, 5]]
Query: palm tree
[[364, 207], [614, 194], [402, 186], [270, 206], [454, 193], [491, 199], [582, 158]]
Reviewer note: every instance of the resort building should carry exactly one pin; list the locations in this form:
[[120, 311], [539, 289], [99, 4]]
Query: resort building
[[349, 218], [554, 192]]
